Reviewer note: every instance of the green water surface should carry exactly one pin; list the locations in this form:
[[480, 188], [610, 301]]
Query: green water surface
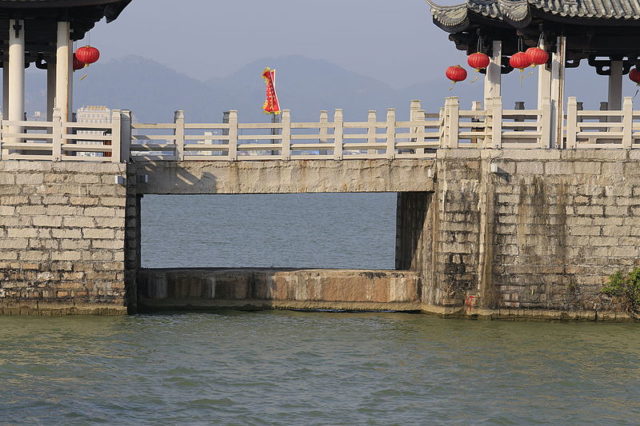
[[316, 368]]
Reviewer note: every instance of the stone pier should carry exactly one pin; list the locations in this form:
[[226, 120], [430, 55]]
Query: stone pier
[[68, 238]]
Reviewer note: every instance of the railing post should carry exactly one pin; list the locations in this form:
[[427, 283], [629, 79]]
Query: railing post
[[56, 135], [414, 114], [454, 122], [496, 122], [572, 123], [371, 129], [476, 106], [545, 123], [179, 134], [627, 123], [323, 130], [444, 130], [116, 136], [286, 135], [225, 120], [420, 118], [391, 133], [338, 134], [125, 136], [233, 135]]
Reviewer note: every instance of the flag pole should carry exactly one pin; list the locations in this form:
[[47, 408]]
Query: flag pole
[[275, 119]]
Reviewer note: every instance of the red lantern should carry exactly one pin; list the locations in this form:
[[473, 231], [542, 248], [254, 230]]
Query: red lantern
[[634, 75], [88, 54], [537, 56], [77, 63], [456, 73], [520, 60], [478, 61]]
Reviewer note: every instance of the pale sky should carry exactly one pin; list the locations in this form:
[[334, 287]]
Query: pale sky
[[394, 41]]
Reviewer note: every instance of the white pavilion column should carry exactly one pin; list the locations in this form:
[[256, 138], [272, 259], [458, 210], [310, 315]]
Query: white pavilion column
[[5, 83], [64, 65], [16, 71], [493, 76], [558, 60], [544, 81], [51, 86], [15, 76], [615, 86]]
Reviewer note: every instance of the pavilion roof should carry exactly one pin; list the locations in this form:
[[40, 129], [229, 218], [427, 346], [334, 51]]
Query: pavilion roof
[[41, 16], [110, 9], [519, 13]]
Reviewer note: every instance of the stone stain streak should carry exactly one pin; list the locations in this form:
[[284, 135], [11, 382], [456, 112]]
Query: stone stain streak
[[538, 256]]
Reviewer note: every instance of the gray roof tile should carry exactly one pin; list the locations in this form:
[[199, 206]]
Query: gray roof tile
[[518, 12]]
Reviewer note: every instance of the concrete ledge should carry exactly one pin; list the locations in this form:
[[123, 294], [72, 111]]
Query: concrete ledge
[[317, 290], [262, 288], [151, 305], [60, 309], [527, 314]]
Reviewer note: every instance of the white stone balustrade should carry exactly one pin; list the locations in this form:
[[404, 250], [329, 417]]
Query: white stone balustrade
[[231, 140]]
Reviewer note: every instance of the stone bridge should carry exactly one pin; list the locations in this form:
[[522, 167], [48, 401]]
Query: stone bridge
[[491, 232]]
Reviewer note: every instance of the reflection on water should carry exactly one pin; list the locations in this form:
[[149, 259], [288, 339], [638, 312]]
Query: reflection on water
[[289, 367]]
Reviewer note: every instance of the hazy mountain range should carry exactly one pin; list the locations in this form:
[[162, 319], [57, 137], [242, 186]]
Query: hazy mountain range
[[306, 86]]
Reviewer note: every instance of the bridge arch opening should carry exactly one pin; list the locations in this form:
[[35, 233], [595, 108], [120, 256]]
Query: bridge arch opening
[[344, 251], [340, 231]]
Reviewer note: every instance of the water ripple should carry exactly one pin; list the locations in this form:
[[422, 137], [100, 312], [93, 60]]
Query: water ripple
[[318, 368]]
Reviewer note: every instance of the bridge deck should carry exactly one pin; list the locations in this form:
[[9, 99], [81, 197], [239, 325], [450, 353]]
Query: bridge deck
[[279, 177]]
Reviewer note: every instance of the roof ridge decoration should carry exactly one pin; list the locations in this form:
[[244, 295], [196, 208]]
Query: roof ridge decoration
[[518, 13]]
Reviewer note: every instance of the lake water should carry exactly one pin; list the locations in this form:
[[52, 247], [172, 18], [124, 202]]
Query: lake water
[[316, 368], [294, 230], [306, 368]]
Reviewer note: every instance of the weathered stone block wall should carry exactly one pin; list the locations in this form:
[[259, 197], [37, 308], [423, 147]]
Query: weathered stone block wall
[[63, 227], [541, 229], [456, 231]]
